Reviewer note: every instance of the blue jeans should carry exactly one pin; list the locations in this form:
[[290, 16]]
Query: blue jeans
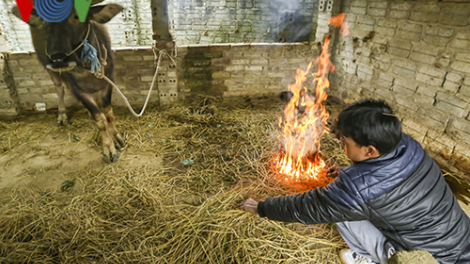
[[366, 240]]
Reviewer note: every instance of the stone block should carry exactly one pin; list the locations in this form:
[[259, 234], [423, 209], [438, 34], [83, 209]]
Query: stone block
[[437, 147], [399, 14], [221, 75], [436, 40], [438, 31], [408, 35], [366, 20], [417, 135], [460, 66], [385, 93], [132, 58], [413, 27], [387, 23], [402, 71], [423, 101], [463, 149], [424, 48], [358, 10], [462, 125], [460, 44], [406, 101], [435, 114], [376, 12], [430, 80], [451, 86], [403, 53], [454, 77], [407, 83], [359, 3], [386, 77], [452, 99], [383, 4], [428, 17], [384, 84], [457, 15], [463, 35], [401, 6], [364, 75], [402, 90], [399, 43], [452, 109], [405, 64], [428, 90], [464, 90], [460, 56], [433, 71], [421, 57]]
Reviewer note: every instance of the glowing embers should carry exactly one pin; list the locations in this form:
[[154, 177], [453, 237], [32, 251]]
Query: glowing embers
[[304, 122]]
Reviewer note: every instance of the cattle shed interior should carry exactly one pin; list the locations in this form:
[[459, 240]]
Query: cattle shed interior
[[415, 54]]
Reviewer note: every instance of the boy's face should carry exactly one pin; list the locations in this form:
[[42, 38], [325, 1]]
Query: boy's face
[[356, 153]]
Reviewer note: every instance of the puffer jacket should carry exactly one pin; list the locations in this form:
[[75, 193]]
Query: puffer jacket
[[402, 193]]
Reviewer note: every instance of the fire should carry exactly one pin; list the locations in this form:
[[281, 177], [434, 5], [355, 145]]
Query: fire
[[305, 120]]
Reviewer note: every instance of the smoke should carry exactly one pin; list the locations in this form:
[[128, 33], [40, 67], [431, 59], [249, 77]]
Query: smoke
[[292, 21]]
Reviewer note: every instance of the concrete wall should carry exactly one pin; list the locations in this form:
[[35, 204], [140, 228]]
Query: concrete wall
[[415, 55]]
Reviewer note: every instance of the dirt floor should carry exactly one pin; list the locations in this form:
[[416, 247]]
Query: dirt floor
[[59, 202]]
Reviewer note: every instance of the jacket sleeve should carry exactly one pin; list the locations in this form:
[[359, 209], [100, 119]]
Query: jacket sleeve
[[338, 202]]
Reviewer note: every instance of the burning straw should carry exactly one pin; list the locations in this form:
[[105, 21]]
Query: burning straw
[[304, 123], [171, 214]]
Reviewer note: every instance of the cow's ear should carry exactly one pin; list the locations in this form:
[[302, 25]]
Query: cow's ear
[[102, 14], [34, 19]]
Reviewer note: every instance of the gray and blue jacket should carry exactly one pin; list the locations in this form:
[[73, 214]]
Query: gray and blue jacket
[[402, 193]]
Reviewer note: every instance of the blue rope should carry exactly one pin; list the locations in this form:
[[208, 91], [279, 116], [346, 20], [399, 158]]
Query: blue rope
[[89, 55]]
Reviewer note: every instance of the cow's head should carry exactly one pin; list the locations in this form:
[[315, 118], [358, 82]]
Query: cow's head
[[61, 38]]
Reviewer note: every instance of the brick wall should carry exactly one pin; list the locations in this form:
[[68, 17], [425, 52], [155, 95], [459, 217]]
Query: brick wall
[[415, 55], [134, 70], [238, 21], [236, 70], [8, 94], [217, 70]]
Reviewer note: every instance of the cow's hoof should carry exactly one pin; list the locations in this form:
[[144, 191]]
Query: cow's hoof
[[118, 146], [62, 122], [106, 159], [115, 157]]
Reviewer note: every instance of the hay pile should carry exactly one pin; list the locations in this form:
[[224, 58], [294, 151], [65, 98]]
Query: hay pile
[[173, 214]]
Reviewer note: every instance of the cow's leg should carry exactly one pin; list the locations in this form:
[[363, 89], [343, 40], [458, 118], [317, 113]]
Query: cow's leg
[[59, 87], [108, 112], [109, 151]]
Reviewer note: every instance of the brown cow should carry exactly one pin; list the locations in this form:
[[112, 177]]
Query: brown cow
[[56, 47]]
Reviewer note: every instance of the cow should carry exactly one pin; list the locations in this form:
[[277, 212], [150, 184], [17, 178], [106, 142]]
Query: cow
[[58, 47]]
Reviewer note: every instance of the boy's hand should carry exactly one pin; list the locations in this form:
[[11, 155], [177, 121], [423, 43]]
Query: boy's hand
[[333, 171], [250, 205]]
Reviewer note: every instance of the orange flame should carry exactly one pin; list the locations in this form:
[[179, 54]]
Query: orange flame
[[305, 120]]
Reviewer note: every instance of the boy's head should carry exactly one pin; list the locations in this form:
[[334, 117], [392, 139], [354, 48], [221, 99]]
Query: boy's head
[[368, 129]]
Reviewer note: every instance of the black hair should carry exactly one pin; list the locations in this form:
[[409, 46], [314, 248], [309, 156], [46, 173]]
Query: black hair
[[370, 122]]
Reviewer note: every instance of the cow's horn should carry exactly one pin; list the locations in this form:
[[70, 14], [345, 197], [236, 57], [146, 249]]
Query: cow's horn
[[94, 2]]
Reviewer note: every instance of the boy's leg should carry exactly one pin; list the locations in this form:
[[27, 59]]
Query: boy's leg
[[366, 240]]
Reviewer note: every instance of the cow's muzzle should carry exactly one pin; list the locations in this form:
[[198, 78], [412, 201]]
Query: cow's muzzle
[[61, 66]]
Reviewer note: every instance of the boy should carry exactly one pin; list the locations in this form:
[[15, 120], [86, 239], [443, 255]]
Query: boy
[[393, 197]]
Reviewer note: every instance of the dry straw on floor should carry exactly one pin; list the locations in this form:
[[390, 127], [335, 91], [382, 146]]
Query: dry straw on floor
[[172, 214]]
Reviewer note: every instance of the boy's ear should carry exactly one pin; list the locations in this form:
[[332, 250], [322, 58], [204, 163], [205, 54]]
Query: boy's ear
[[372, 152]]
